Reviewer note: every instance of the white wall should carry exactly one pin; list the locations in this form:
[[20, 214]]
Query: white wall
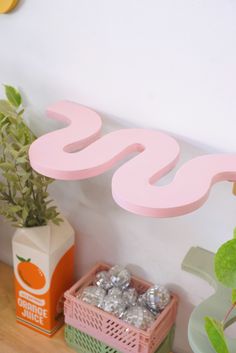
[[162, 64]]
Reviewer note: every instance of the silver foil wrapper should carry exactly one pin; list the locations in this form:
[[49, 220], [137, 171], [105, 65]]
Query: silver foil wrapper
[[114, 305], [139, 317], [130, 296], [93, 295], [103, 280], [157, 297], [120, 276]]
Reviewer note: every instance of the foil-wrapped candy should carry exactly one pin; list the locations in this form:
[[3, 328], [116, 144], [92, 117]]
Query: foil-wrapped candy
[[93, 295], [139, 317], [157, 297], [114, 305], [103, 280], [120, 276], [130, 296]]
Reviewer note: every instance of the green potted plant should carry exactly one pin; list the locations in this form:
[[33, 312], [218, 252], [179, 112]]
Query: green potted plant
[[43, 243], [210, 319], [225, 271], [24, 199]]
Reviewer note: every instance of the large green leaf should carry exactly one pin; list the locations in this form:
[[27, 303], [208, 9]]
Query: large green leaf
[[235, 233], [6, 108], [13, 96], [225, 264], [234, 296], [215, 333]]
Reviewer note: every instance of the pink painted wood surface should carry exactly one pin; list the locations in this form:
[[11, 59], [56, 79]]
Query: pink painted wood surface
[[76, 152]]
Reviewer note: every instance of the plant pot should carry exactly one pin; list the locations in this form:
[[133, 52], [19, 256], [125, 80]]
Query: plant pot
[[200, 262], [43, 270]]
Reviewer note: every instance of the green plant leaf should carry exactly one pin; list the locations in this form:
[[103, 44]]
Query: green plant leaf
[[13, 96], [15, 209], [21, 112], [25, 213], [22, 160], [225, 264], [234, 296], [6, 166], [6, 108], [24, 200], [215, 333], [234, 233], [11, 177]]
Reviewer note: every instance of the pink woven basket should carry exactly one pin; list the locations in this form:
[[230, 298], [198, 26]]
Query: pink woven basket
[[111, 330]]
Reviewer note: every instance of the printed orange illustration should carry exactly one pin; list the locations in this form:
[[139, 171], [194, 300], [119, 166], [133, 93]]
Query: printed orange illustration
[[30, 273]]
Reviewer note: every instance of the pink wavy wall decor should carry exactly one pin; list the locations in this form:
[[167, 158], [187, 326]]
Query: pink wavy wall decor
[[57, 155]]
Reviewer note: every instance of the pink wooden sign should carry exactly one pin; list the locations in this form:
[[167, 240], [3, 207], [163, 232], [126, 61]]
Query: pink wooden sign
[[77, 152]]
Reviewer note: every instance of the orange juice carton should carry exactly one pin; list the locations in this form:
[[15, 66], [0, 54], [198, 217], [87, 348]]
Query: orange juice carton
[[43, 271]]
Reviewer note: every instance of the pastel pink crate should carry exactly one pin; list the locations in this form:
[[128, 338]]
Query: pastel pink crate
[[111, 330]]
